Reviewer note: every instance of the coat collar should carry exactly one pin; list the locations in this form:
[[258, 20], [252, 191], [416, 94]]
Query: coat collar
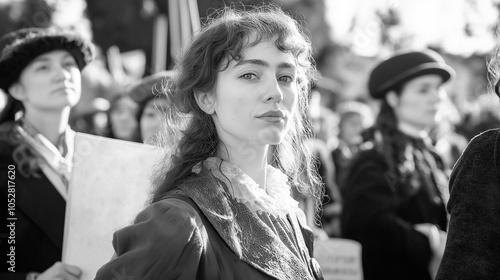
[[278, 250]]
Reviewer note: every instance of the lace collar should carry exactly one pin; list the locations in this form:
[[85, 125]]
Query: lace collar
[[275, 200]]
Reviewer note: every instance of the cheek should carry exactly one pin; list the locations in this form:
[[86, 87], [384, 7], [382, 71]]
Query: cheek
[[35, 84], [410, 103], [233, 107], [76, 76], [290, 100]]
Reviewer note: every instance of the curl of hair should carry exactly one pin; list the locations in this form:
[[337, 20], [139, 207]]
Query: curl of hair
[[493, 66], [25, 159], [389, 141], [222, 40]]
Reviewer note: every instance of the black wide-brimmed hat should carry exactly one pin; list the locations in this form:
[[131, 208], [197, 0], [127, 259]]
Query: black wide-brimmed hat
[[20, 47], [405, 66]]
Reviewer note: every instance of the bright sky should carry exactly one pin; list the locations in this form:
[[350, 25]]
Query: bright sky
[[428, 21]]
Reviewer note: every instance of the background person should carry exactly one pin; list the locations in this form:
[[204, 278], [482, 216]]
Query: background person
[[473, 248], [153, 106], [40, 72], [122, 122], [392, 198]]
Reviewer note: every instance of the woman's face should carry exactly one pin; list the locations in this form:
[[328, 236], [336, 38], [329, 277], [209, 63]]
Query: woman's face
[[152, 118], [419, 101], [52, 81], [351, 128], [122, 118], [256, 97]]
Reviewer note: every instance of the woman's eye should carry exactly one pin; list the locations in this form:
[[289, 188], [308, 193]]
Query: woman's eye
[[286, 79], [42, 67], [249, 76], [70, 64], [429, 90]]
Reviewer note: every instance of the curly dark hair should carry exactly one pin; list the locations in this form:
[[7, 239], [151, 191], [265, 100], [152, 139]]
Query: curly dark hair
[[221, 41]]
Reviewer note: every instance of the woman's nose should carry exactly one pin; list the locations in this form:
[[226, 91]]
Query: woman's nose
[[62, 73], [274, 92]]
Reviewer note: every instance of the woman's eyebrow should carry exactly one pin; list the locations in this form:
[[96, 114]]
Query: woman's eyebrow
[[260, 62]]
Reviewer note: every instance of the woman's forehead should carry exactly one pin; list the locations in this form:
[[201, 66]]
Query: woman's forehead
[[55, 54]]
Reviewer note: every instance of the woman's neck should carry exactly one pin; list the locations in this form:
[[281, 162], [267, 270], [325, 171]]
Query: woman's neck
[[251, 161], [412, 130], [50, 124]]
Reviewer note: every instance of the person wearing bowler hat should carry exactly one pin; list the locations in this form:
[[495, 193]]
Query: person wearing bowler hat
[[40, 72], [393, 202], [473, 245]]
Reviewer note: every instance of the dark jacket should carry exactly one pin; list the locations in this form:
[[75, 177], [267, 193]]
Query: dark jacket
[[473, 244], [36, 215], [187, 235], [381, 217]]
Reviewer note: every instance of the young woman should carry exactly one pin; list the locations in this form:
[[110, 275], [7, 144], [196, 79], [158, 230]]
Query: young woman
[[221, 211], [122, 123], [393, 200], [153, 106], [40, 72]]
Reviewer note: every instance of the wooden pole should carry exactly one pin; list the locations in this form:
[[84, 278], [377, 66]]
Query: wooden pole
[[160, 39], [194, 16], [185, 22], [175, 29]]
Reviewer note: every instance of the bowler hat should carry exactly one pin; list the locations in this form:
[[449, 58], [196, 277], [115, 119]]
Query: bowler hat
[[20, 47], [405, 66]]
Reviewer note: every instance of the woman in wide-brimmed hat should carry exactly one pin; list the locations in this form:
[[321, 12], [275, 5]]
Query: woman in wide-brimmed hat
[[393, 202], [40, 72]]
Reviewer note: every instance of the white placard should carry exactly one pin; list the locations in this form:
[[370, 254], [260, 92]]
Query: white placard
[[340, 259], [109, 186]]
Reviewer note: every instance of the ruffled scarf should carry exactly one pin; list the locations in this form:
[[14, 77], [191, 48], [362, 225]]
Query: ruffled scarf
[[275, 199], [35, 151], [265, 228]]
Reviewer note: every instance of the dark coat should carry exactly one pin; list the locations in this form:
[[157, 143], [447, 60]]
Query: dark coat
[[39, 219], [377, 215], [187, 236], [473, 244]]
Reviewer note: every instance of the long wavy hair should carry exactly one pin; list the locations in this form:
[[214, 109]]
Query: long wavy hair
[[222, 40]]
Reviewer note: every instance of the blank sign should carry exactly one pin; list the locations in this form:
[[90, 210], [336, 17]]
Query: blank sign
[[110, 185]]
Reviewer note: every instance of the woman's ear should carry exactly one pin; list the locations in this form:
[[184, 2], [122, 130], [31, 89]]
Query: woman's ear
[[17, 92], [392, 99], [206, 101]]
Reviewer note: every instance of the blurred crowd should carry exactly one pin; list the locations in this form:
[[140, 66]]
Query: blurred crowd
[[125, 101]]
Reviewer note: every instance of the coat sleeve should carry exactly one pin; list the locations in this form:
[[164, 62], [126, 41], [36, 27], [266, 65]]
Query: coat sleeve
[[165, 242], [473, 248], [370, 215]]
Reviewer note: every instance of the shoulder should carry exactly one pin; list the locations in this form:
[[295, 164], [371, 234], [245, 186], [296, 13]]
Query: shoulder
[[169, 223], [478, 163], [7, 143], [481, 149], [486, 139], [163, 233], [170, 213]]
